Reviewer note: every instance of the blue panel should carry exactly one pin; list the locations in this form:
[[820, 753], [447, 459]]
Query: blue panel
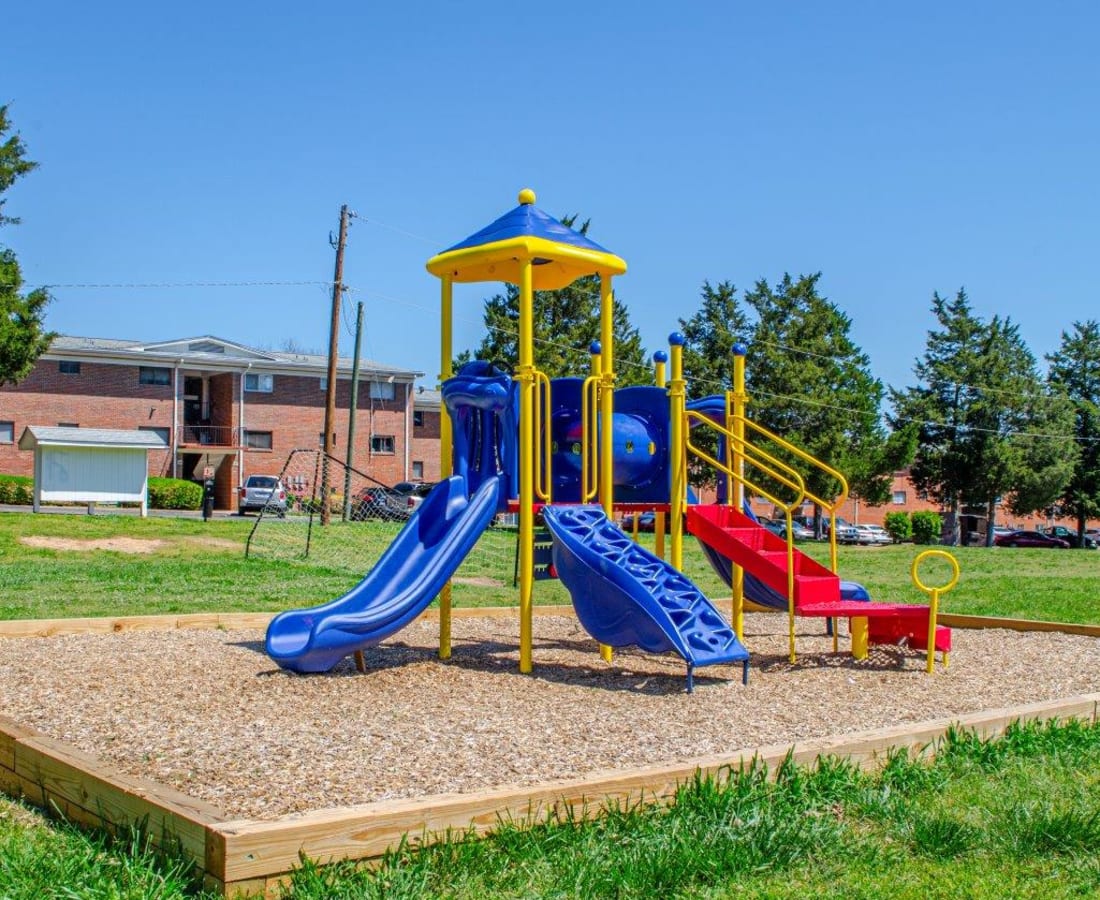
[[527, 220], [412, 571], [624, 595]]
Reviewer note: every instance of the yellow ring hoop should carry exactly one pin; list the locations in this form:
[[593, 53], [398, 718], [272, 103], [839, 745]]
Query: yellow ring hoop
[[927, 554]]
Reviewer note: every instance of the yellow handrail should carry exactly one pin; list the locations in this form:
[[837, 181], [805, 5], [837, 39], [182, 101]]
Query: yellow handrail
[[830, 507], [543, 483], [934, 598], [589, 445], [767, 466]]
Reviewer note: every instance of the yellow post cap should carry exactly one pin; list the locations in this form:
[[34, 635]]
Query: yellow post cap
[[527, 197]]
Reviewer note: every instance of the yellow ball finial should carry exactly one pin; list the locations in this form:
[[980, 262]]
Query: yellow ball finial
[[527, 197]]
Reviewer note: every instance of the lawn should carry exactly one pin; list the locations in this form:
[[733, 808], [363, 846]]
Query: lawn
[[197, 566], [1018, 817]]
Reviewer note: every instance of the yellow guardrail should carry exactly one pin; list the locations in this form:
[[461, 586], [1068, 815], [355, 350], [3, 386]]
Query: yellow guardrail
[[829, 506], [543, 482], [590, 448]]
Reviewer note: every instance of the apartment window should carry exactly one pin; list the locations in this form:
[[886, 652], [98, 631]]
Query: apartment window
[[321, 439], [257, 440], [154, 375], [164, 434], [382, 390], [7, 432], [418, 470], [899, 498], [68, 424], [418, 418], [263, 384], [67, 367], [381, 443], [324, 382]]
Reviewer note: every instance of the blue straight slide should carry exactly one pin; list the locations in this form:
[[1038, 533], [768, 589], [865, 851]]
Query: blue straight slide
[[624, 595], [408, 576]]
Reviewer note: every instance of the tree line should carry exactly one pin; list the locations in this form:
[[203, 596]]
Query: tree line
[[980, 426]]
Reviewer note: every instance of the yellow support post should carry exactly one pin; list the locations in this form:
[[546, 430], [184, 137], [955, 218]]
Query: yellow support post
[[525, 376], [607, 408], [660, 379], [607, 394], [735, 493], [445, 445], [677, 401]]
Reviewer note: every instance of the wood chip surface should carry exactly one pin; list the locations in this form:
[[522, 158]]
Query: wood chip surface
[[208, 713]]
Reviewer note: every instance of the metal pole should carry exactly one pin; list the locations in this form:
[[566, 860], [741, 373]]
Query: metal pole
[[353, 408]]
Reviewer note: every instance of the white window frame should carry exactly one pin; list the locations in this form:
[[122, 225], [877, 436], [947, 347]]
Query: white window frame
[[383, 390], [377, 443], [10, 439], [263, 383]]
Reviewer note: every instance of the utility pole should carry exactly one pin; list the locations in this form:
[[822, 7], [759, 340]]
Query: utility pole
[[333, 338], [353, 409]]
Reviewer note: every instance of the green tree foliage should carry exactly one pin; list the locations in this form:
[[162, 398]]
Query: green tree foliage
[[567, 321], [812, 385], [988, 427], [709, 336], [22, 335], [1075, 371]]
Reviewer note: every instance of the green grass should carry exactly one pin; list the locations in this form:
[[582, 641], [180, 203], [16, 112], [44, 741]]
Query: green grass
[[1014, 817], [1017, 817], [201, 567]]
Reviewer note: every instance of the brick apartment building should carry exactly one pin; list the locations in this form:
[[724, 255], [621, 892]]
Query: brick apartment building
[[427, 406], [217, 403]]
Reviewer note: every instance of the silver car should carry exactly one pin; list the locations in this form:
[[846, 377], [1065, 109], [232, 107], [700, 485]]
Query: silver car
[[260, 493]]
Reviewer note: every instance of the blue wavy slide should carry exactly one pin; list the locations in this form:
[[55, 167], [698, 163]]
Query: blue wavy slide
[[624, 595], [408, 576]]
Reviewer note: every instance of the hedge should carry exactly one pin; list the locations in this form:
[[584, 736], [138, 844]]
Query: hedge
[[927, 527], [899, 525], [174, 493], [17, 490]]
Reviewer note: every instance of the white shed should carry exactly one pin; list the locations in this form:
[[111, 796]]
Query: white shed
[[90, 465]]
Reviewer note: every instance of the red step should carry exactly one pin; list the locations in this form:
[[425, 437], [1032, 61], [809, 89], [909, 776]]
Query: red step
[[761, 553]]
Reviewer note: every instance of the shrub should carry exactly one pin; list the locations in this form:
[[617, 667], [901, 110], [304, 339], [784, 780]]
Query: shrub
[[174, 493], [899, 525], [927, 527], [17, 490]]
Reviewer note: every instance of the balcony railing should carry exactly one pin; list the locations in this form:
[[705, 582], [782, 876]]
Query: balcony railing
[[208, 436]]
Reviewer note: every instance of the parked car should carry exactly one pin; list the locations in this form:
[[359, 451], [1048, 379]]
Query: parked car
[[413, 492], [1070, 536], [798, 531], [647, 521], [1029, 539], [260, 493], [378, 502], [873, 534]]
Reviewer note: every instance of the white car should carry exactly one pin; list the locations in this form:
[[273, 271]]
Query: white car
[[873, 534]]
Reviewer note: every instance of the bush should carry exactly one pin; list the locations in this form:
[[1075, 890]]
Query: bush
[[927, 527], [174, 493], [17, 490], [899, 525]]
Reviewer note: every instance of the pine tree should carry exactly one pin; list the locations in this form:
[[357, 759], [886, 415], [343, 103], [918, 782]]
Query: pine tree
[[988, 429], [812, 385], [22, 335], [1075, 371]]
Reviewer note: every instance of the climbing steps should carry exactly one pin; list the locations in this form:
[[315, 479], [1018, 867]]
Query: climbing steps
[[816, 589]]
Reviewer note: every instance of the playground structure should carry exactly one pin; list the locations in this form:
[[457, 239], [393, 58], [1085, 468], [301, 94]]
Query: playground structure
[[576, 451]]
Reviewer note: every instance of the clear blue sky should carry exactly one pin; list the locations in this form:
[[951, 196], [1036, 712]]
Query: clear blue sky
[[898, 149]]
